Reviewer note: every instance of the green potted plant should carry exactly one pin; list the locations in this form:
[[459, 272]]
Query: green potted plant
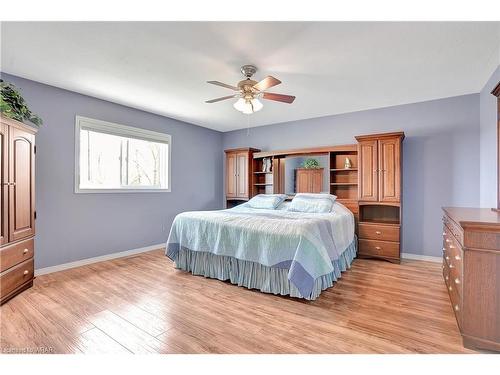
[[311, 164], [13, 105]]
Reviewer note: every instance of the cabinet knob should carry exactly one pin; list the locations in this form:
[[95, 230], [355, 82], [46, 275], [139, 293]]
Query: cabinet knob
[[450, 288], [25, 251], [444, 234], [378, 248], [457, 257], [456, 307], [451, 266], [25, 272], [446, 277], [447, 257], [448, 240], [457, 281], [452, 247], [378, 232]]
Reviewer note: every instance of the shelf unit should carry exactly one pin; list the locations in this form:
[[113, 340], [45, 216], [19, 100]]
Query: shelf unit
[[266, 182], [344, 181]]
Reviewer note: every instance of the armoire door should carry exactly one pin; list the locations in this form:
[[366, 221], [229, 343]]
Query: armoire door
[[242, 175], [231, 175], [303, 181], [368, 166], [21, 184], [389, 165], [4, 188], [316, 181]]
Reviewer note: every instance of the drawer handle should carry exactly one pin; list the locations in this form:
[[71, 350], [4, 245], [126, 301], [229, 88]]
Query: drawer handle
[[456, 307], [450, 288], [25, 251], [25, 272], [452, 247], [447, 278], [457, 281], [451, 266], [447, 257], [378, 248], [457, 257], [444, 234], [448, 240], [378, 232]]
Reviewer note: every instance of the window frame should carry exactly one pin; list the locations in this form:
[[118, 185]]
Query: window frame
[[124, 131]]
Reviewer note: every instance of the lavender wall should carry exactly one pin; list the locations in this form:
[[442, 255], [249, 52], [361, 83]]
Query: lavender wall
[[488, 121], [77, 226], [440, 155]]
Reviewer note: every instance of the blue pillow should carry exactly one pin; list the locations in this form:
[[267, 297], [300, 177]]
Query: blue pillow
[[266, 201], [312, 203]]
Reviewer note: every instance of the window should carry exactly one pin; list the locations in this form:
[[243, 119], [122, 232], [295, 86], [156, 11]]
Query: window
[[117, 158]]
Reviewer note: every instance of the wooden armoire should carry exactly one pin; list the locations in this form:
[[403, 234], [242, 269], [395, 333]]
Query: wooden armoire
[[239, 171], [379, 195], [17, 205]]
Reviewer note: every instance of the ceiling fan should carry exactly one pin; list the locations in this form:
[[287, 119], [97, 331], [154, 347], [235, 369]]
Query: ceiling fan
[[250, 91]]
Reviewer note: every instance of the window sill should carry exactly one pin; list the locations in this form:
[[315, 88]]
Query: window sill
[[108, 191]]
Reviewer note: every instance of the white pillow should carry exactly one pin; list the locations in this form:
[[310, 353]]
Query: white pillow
[[312, 203], [266, 201]]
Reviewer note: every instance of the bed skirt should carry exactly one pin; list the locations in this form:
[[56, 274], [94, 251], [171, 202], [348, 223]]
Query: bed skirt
[[257, 276]]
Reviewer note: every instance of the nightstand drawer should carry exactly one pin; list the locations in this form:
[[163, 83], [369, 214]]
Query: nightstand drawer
[[380, 248], [15, 254], [379, 232]]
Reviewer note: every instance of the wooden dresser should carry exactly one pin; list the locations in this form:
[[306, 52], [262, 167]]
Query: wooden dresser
[[471, 271], [17, 203], [379, 190]]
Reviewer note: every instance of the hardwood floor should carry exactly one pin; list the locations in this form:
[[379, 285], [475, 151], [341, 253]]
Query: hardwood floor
[[141, 304]]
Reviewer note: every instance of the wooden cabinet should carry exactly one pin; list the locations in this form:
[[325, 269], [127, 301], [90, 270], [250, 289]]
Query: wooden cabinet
[[379, 193], [389, 169], [368, 170], [238, 174], [231, 171], [309, 180], [471, 272], [17, 169]]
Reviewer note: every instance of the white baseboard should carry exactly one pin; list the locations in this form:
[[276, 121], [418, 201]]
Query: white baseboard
[[78, 263], [426, 258]]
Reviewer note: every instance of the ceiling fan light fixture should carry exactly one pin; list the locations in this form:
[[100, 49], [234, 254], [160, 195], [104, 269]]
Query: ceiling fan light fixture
[[256, 104], [240, 105]]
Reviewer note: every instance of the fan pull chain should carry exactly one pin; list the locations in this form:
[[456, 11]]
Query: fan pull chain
[[248, 125]]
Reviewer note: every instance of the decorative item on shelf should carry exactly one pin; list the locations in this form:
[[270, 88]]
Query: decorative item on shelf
[[347, 164], [264, 165], [311, 164], [13, 105], [269, 165]]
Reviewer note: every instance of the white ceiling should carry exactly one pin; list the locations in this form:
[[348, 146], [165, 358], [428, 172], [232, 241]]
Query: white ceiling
[[332, 67]]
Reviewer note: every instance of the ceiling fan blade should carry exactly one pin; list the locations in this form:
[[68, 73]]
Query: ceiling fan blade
[[266, 83], [217, 83], [220, 99], [278, 97]]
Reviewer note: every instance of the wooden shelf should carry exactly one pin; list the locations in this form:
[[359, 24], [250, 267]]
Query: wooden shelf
[[343, 169], [264, 184], [263, 172], [380, 221], [343, 183]]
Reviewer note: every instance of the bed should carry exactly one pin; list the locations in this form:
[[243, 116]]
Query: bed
[[273, 250]]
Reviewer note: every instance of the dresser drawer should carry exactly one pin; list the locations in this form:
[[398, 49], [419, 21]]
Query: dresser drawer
[[453, 292], [379, 248], [16, 253], [454, 229], [379, 232], [16, 276]]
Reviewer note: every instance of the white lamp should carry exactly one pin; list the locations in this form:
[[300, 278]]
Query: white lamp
[[257, 105]]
